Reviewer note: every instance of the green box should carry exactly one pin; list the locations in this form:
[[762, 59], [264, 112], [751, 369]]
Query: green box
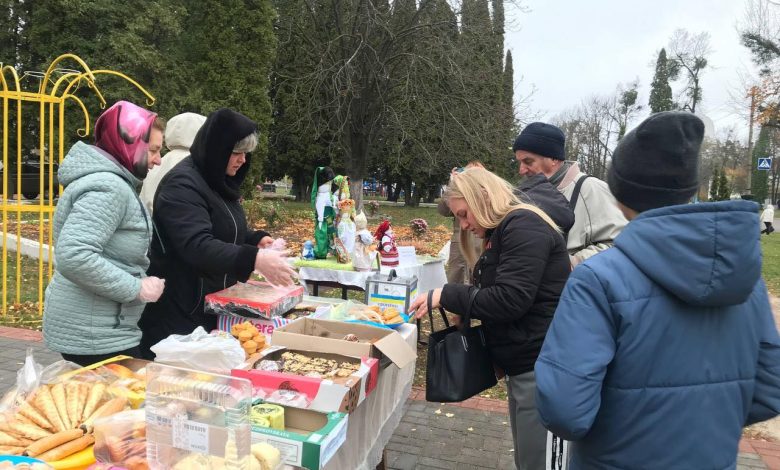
[[310, 438]]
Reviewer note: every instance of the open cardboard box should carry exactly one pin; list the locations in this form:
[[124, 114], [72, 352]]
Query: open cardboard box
[[309, 439], [338, 394], [327, 336]]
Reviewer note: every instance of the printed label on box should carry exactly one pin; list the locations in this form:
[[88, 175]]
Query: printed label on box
[[191, 435]]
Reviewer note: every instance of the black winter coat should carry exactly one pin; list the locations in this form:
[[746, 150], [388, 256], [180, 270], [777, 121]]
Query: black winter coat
[[202, 243], [520, 277], [538, 191]]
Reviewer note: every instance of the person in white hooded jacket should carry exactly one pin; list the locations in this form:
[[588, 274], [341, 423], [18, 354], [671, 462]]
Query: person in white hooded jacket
[[768, 217], [179, 134]]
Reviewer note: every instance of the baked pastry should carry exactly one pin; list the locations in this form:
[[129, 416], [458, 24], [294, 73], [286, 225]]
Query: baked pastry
[[266, 455]]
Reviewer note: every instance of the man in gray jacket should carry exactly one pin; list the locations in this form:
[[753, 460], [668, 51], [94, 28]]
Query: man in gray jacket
[[597, 220]]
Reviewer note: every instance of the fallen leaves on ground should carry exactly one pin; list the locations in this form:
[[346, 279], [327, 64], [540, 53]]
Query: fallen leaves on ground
[[22, 315]]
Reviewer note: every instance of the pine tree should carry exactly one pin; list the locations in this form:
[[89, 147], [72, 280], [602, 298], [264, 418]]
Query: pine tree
[[715, 185], [660, 91], [724, 188], [760, 180], [498, 33], [294, 149]]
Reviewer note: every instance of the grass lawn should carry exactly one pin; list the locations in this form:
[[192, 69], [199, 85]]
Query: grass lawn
[[23, 312], [770, 245]]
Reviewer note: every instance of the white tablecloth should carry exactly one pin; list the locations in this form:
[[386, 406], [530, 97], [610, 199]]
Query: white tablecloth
[[430, 275], [372, 424]]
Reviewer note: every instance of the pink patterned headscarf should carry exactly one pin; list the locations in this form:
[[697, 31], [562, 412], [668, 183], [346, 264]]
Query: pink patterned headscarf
[[123, 131]]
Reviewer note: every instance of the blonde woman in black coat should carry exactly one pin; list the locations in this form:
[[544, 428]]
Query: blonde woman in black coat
[[517, 282]]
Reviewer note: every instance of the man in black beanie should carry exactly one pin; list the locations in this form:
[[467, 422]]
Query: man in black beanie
[[664, 347], [540, 150]]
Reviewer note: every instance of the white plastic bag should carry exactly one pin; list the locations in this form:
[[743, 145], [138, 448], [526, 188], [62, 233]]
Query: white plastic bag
[[201, 351], [27, 380]]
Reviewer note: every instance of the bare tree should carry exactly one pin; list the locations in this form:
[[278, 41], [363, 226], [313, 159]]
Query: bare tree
[[626, 106], [589, 130], [688, 54]]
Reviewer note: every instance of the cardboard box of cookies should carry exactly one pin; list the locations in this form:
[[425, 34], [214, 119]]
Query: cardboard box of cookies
[[312, 380], [348, 339]]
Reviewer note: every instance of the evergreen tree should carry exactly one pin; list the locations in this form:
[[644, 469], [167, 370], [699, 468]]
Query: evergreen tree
[[724, 188], [227, 52], [760, 180], [498, 32], [295, 149], [715, 185], [660, 91]]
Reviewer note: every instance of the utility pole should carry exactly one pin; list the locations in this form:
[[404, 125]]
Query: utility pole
[[753, 91]]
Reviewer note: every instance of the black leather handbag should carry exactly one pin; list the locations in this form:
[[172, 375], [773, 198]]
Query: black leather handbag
[[459, 364]]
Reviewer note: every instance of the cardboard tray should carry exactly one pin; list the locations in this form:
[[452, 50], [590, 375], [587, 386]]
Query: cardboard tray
[[327, 336], [341, 394]]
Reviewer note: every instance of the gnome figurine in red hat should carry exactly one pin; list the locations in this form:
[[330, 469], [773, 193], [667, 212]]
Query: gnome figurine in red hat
[[388, 252]]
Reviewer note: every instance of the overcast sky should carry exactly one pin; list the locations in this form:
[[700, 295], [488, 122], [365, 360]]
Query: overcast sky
[[572, 49]]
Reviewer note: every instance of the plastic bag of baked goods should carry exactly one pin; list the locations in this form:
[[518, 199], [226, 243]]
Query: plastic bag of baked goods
[[120, 440]]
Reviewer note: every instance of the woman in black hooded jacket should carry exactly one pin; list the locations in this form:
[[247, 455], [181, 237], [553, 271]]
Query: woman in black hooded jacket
[[202, 243]]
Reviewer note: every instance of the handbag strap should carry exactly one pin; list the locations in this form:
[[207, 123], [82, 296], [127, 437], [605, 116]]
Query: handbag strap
[[466, 323], [430, 312]]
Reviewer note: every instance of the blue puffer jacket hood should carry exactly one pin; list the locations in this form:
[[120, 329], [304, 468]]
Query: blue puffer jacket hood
[[697, 252], [663, 347]]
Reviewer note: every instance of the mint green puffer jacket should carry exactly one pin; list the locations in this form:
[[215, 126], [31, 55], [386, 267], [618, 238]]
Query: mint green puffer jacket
[[101, 238]]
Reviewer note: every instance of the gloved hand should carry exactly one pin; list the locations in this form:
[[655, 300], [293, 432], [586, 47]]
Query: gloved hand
[[280, 244], [273, 266], [151, 289]]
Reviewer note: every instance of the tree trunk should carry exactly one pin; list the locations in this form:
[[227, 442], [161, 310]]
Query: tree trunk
[[407, 193], [356, 191], [393, 191], [300, 188], [433, 193]]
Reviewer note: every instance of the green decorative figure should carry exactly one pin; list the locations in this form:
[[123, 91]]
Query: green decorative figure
[[324, 214]]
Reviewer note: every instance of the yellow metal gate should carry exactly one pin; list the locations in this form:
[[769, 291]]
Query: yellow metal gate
[[27, 207]]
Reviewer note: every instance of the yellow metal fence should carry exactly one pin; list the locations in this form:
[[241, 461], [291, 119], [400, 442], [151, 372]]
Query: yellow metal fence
[[57, 86]]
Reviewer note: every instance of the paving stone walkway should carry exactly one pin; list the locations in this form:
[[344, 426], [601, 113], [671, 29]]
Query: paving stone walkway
[[474, 434]]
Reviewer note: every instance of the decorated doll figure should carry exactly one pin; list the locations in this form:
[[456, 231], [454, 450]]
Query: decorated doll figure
[[341, 183], [321, 202], [346, 225], [388, 252], [308, 250], [362, 256]]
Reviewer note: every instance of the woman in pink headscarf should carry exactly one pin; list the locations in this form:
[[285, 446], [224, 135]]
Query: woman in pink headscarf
[[101, 237]]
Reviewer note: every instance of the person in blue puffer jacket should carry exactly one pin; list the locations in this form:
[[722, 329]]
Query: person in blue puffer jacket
[[664, 347]]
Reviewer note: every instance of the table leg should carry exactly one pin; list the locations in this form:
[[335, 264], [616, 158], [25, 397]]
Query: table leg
[[344, 293], [315, 288]]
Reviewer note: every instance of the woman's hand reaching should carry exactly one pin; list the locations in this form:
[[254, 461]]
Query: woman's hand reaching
[[419, 305], [273, 266]]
